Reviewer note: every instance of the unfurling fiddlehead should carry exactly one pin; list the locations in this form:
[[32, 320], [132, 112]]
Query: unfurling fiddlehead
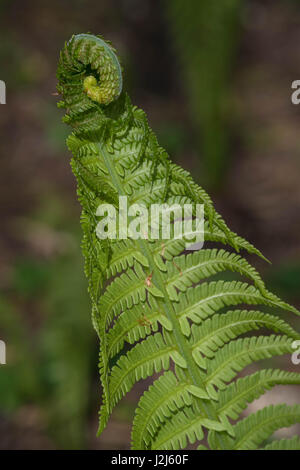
[[149, 307], [108, 68]]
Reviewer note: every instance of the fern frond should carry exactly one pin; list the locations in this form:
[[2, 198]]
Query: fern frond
[[253, 430], [236, 397], [183, 427], [186, 270], [158, 403], [208, 298], [222, 328], [154, 307], [237, 354], [284, 444], [136, 323], [152, 355]]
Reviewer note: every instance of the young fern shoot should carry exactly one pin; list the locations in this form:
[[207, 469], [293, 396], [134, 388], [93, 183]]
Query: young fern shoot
[[157, 309]]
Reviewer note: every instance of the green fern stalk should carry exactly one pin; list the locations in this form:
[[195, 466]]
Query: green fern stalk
[[211, 30], [149, 308]]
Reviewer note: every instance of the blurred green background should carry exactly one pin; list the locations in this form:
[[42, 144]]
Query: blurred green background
[[215, 80]]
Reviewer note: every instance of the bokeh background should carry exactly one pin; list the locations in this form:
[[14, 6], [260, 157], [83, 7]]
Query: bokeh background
[[215, 80]]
